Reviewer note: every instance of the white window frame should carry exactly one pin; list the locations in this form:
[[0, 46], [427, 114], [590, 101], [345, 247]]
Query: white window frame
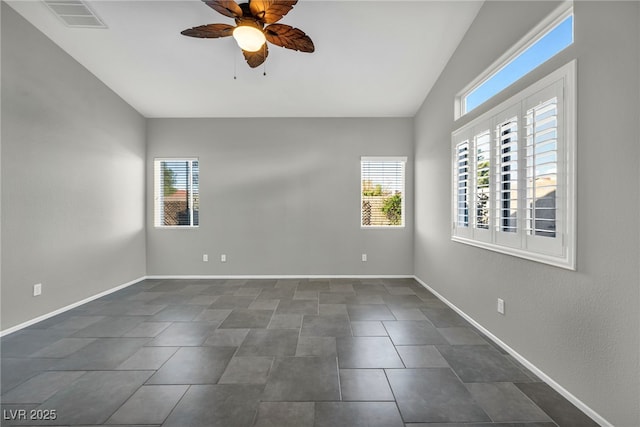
[[157, 193], [401, 159], [538, 32], [559, 250]]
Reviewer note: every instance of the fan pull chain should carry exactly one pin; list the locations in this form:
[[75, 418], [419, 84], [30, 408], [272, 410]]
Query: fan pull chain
[[235, 67], [264, 64]]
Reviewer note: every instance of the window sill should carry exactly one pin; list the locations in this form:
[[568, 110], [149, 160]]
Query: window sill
[[561, 262]]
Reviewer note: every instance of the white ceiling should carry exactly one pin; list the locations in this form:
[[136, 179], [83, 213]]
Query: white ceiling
[[372, 58]]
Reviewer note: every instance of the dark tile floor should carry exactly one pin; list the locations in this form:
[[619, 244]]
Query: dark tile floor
[[343, 352]]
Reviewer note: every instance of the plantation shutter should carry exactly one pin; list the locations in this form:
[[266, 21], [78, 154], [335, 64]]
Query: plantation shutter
[[462, 184], [482, 159], [514, 167], [507, 203], [542, 168]]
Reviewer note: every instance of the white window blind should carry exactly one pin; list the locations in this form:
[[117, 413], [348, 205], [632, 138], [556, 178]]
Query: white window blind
[[523, 169], [382, 191], [176, 193]]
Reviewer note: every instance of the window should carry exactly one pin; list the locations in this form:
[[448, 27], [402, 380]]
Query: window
[[545, 41], [176, 194], [382, 191], [514, 174]]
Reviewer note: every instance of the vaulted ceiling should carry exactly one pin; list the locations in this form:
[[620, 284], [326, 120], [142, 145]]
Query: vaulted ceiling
[[372, 58]]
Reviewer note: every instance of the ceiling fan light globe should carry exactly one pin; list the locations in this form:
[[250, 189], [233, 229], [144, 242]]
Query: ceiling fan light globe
[[249, 38]]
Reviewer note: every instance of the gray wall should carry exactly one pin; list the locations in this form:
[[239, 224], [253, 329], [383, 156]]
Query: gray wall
[[279, 197], [580, 328], [72, 179]]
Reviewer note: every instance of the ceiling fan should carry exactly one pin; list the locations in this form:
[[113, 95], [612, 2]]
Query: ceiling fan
[[255, 25]]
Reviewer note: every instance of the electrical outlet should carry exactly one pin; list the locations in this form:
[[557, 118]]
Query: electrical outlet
[[500, 306], [37, 289], [364, 257], [205, 258], [223, 258]]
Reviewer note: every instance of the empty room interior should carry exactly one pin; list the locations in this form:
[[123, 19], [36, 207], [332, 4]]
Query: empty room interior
[[385, 213]]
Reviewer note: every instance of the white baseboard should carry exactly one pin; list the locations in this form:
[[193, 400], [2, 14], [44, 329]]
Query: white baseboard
[[68, 307], [544, 377], [284, 276]]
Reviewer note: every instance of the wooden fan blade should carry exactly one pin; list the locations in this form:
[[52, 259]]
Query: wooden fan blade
[[270, 11], [211, 31], [289, 37], [226, 7], [256, 58]]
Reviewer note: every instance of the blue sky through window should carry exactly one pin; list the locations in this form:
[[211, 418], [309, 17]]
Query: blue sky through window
[[553, 42]]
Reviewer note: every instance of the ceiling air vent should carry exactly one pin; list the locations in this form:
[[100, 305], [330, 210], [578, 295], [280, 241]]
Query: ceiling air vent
[[75, 13]]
